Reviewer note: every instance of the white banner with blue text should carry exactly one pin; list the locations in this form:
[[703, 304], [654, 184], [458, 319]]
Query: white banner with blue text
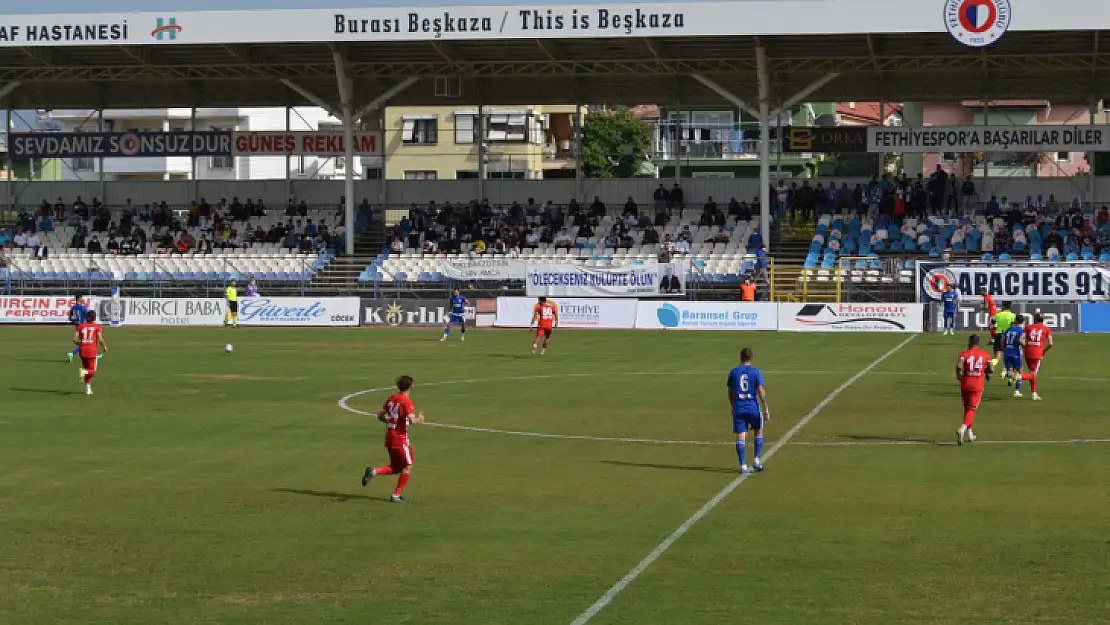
[[298, 311], [681, 315], [602, 314], [1029, 282], [624, 281], [491, 268]]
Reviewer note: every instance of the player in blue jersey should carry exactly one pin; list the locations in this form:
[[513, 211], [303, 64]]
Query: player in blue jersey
[[748, 398], [951, 300], [457, 314], [1012, 355], [78, 313]]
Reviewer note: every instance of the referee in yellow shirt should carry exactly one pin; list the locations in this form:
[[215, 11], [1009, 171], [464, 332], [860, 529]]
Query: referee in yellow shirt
[[232, 317]]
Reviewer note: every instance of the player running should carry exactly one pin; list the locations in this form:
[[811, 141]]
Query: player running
[[88, 338], [748, 398], [951, 300], [397, 414], [1011, 358], [545, 317], [1036, 342], [457, 315], [992, 310], [1000, 322], [77, 316], [231, 319], [971, 371]]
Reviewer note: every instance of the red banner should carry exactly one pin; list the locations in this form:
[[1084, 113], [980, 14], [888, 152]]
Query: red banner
[[41, 309], [281, 143]]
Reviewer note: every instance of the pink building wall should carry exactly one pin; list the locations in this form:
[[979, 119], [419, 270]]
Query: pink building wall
[[956, 114]]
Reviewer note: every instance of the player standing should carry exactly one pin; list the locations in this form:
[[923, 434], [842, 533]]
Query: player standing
[[1036, 341], [545, 317], [992, 310], [971, 370], [232, 295], [88, 338], [1001, 322], [1011, 358], [77, 316], [397, 414], [951, 299], [457, 314], [748, 399]]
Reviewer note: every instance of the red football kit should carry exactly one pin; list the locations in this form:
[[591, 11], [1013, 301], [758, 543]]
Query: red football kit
[[1036, 342], [545, 315], [992, 310], [399, 413], [975, 363], [88, 340]]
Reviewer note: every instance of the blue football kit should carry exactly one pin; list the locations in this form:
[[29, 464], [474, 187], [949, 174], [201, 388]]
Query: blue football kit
[[951, 301], [1011, 351], [456, 316], [78, 313], [744, 383]]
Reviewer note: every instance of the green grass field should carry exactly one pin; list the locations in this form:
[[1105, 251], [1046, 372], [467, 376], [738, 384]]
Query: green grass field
[[202, 487]]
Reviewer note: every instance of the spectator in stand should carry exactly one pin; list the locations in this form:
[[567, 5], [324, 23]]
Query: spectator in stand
[[1102, 240], [563, 240], [479, 247], [499, 247], [651, 236], [660, 198], [967, 195], [597, 207], [94, 246], [19, 241], [113, 246], [584, 230], [806, 201], [182, 246], [755, 241], [291, 241], [682, 246], [46, 224], [992, 207], [204, 246], [630, 208], [613, 238], [397, 246], [1102, 217], [1053, 239], [80, 208], [676, 198], [747, 290], [720, 236]]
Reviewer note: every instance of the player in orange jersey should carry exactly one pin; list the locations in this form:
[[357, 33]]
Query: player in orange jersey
[[972, 369], [88, 338], [545, 318], [397, 414], [1035, 342]]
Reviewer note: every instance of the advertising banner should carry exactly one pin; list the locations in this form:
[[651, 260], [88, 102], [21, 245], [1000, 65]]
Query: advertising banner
[[409, 313], [680, 315], [281, 143], [493, 268], [298, 311], [852, 317], [603, 314], [1025, 282], [1062, 317], [626, 281], [39, 309], [835, 139], [159, 311], [118, 144], [1094, 317], [936, 139]]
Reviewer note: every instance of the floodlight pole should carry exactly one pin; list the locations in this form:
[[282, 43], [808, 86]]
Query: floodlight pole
[[1091, 160], [578, 124], [346, 87], [8, 160], [764, 145]]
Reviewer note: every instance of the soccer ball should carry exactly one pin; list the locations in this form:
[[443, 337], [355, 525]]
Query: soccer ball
[[228, 348]]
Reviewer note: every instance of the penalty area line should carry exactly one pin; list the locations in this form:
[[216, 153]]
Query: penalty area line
[[679, 532]]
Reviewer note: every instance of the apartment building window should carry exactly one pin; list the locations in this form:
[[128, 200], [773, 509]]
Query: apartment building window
[[1063, 157], [508, 128], [82, 164], [466, 174], [420, 175], [421, 130], [302, 166], [464, 129], [506, 175], [372, 173], [948, 157], [221, 162], [501, 128]]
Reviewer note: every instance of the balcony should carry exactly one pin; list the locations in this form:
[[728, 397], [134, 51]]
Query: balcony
[[559, 155]]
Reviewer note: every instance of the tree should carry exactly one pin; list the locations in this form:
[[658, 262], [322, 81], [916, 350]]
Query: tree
[[614, 144]]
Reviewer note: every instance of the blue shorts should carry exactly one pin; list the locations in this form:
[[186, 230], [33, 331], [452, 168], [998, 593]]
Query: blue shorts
[[456, 319], [744, 421], [1012, 362], [949, 315]]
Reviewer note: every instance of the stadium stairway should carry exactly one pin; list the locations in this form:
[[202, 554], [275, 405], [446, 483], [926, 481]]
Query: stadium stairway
[[792, 283]]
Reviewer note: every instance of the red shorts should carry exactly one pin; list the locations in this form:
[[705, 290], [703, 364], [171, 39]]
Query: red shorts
[[971, 398], [400, 456], [1033, 365], [544, 332], [88, 363]]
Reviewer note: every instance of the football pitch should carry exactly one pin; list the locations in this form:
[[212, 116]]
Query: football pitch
[[596, 483]]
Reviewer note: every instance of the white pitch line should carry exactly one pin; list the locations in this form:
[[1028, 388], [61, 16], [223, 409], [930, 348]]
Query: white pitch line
[[979, 441], [662, 548]]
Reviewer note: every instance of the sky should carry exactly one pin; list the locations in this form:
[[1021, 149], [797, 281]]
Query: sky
[[18, 7]]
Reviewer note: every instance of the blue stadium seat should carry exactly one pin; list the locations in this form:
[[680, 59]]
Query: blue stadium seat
[[1004, 257], [1035, 256], [1072, 257]]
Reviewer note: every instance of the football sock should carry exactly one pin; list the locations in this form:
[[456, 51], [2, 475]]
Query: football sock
[[545, 344], [758, 446], [1017, 385], [740, 452], [462, 328], [969, 416], [386, 470], [1033, 383], [89, 376], [76, 350], [402, 481], [447, 331]]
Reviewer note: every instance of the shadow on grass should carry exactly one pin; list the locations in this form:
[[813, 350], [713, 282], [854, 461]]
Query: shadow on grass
[[860, 438], [47, 360], [45, 391], [325, 494], [671, 467]]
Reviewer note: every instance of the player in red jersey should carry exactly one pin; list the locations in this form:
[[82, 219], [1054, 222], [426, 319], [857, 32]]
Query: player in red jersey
[[971, 370], [1035, 342], [996, 339], [88, 338], [545, 318], [397, 414]]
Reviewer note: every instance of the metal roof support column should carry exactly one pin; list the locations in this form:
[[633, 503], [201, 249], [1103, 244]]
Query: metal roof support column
[[100, 161], [288, 159], [882, 122], [986, 155], [193, 159], [677, 130], [483, 151], [346, 88], [578, 123], [764, 145], [726, 94], [1091, 161], [8, 161]]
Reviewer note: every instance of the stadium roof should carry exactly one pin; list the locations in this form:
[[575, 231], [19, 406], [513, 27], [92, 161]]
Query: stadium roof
[[553, 53]]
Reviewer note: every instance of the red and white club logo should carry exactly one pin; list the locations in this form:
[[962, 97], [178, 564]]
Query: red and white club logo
[[977, 23], [937, 282], [129, 145]]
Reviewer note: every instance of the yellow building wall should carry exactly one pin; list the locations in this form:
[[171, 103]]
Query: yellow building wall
[[446, 157]]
